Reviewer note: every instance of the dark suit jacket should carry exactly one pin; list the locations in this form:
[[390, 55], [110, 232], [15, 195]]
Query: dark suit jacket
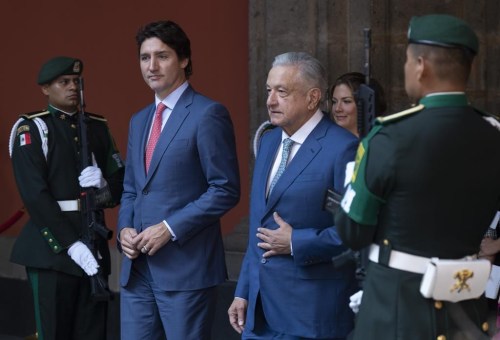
[[192, 181], [303, 294]]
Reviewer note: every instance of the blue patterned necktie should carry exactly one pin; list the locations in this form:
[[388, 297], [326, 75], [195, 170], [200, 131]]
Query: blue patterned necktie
[[287, 145]]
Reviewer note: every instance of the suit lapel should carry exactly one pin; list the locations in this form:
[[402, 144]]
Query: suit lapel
[[172, 126], [143, 126], [300, 161], [268, 152]]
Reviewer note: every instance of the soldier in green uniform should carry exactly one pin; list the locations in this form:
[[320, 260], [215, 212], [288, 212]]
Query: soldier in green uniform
[[426, 184], [45, 152]]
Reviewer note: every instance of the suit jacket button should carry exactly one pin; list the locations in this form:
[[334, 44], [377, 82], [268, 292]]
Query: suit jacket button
[[145, 192], [263, 260]]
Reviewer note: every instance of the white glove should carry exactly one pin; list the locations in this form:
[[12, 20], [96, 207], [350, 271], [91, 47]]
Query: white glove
[[355, 301], [81, 254], [91, 176], [349, 171]]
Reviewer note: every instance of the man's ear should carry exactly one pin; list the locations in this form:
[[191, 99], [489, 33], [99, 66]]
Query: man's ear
[[422, 68], [45, 89], [184, 62], [313, 98]]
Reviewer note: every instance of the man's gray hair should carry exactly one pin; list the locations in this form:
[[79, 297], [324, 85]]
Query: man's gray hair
[[310, 68]]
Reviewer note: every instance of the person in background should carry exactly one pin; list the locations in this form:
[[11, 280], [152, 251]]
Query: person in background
[[181, 177], [344, 110], [47, 167], [490, 250], [288, 287], [422, 190]]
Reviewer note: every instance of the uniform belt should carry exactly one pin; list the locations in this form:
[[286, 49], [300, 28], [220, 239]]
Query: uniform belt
[[69, 205], [402, 261]]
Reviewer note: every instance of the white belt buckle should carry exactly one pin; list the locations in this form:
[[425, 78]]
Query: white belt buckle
[[69, 205]]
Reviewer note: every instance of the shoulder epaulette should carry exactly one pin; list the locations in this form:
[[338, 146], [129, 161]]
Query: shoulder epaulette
[[396, 116], [486, 114], [97, 117], [490, 118], [35, 114]]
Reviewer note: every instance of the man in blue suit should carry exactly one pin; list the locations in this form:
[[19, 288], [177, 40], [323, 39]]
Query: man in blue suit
[[288, 287], [181, 176]]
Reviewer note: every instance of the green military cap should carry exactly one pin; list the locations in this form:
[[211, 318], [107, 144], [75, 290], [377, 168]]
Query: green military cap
[[442, 30], [59, 66]]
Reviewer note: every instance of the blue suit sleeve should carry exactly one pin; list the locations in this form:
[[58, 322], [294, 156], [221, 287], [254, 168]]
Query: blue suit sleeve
[[313, 245], [126, 214], [217, 154]]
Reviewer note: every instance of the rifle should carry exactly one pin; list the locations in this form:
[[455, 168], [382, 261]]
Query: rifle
[[89, 204], [366, 107], [365, 95], [365, 104]]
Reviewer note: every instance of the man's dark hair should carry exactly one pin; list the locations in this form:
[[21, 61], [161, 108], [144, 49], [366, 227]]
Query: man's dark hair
[[453, 64], [170, 34]]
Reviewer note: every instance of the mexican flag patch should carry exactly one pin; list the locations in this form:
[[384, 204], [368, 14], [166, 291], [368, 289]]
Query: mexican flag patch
[[25, 139]]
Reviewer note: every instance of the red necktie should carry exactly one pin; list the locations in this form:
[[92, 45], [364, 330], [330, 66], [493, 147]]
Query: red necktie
[[155, 134]]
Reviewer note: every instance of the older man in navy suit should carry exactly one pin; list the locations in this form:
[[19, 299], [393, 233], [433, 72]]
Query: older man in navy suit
[[181, 176], [288, 287]]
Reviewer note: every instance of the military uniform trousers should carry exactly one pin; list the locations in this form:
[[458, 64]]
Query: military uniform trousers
[[63, 307]]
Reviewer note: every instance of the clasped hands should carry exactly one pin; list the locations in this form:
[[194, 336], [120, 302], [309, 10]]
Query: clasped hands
[[147, 242]]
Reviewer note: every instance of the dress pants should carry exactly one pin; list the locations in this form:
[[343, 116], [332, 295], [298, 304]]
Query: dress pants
[[149, 313], [262, 330]]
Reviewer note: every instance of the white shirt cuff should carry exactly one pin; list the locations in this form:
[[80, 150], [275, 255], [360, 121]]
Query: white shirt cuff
[[170, 229]]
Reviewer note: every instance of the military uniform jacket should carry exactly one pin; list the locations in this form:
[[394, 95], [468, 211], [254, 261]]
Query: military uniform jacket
[[427, 183], [42, 181]]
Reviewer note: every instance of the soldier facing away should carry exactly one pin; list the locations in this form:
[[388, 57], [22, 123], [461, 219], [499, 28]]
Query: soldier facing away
[[425, 185]]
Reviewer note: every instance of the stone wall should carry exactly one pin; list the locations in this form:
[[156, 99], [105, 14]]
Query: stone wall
[[332, 30]]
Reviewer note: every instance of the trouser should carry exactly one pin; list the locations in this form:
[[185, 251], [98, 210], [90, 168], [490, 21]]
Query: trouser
[[63, 307], [262, 330], [150, 313]]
